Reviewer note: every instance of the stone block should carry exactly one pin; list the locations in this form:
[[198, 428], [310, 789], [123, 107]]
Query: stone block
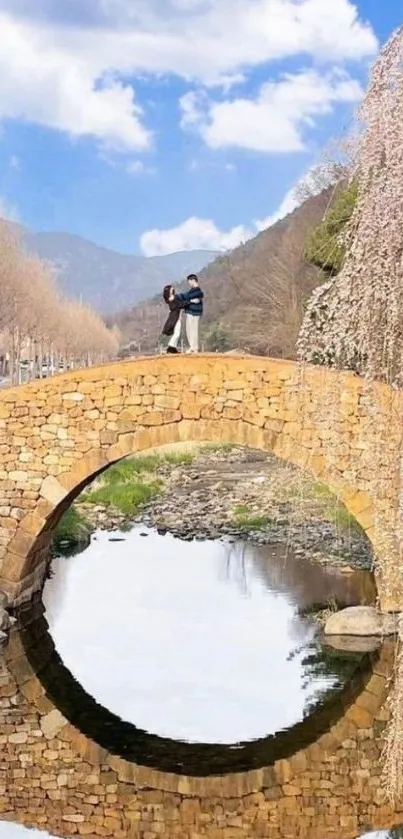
[[73, 396], [167, 402], [52, 723], [51, 490]]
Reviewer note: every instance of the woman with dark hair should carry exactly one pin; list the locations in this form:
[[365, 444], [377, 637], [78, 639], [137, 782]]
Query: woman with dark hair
[[173, 325]]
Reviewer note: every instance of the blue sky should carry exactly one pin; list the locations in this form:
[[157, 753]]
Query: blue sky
[[183, 124]]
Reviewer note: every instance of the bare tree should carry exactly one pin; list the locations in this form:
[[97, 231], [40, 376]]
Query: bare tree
[[39, 327], [272, 289]]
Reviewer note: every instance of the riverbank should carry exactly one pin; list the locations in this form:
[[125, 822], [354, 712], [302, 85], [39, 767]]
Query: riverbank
[[213, 492]]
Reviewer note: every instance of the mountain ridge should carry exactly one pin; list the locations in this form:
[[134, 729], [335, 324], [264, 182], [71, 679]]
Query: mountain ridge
[[106, 279]]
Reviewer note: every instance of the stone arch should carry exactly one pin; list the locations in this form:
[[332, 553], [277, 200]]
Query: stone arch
[[57, 494], [98, 417], [113, 411]]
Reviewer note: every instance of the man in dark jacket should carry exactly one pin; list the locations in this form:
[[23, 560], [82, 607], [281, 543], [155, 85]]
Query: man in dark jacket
[[194, 311]]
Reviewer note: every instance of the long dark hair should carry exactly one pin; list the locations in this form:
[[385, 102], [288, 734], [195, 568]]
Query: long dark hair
[[167, 293]]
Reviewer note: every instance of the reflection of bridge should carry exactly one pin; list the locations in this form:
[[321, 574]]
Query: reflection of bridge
[[56, 435], [55, 777], [61, 772]]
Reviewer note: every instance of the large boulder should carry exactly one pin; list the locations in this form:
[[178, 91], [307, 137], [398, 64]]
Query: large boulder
[[361, 621], [353, 643]]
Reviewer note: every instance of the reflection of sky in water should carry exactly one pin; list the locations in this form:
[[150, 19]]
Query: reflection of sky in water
[[15, 831], [379, 835], [184, 640]]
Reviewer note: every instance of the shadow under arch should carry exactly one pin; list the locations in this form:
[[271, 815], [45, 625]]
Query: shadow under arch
[[163, 754], [278, 800], [23, 575]]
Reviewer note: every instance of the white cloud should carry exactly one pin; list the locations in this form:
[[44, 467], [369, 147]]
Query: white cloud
[[193, 234], [15, 162], [74, 73], [289, 203], [203, 234], [138, 167], [275, 120], [315, 180], [47, 84]]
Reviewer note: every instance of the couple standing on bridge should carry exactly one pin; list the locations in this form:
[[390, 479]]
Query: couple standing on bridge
[[191, 302]]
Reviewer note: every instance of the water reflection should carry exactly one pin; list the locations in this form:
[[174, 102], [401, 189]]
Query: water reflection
[[396, 833], [188, 640], [8, 830]]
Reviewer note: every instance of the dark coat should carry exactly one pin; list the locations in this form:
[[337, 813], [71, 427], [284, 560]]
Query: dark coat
[[175, 307], [194, 300]]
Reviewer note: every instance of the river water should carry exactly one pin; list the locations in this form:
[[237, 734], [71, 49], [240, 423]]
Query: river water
[[201, 642]]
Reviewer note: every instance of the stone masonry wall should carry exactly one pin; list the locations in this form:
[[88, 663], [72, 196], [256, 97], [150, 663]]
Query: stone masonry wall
[[55, 435], [53, 778]]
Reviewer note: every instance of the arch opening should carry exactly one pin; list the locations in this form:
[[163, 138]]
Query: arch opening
[[164, 753], [23, 573]]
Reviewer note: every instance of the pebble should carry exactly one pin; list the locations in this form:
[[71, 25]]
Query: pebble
[[199, 502]]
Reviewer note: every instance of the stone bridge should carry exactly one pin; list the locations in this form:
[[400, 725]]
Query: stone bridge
[[65, 765], [57, 435]]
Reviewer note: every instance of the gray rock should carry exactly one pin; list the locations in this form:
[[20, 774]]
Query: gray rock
[[353, 644], [3, 600], [361, 621], [5, 621]]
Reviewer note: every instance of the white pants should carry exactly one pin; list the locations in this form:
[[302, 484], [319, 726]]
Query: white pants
[[174, 340], [192, 332]]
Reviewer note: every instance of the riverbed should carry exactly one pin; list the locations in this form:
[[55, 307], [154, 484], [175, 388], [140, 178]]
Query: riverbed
[[238, 492]]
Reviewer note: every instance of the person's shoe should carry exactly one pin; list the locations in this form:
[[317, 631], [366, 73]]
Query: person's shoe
[[172, 350]]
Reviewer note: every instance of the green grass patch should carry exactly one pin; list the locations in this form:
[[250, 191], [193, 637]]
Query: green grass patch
[[219, 448], [321, 492], [130, 484], [127, 496], [73, 529], [314, 491], [179, 458], [128, 469], [125, 470], [331, 509], [341, 518], [244, 519]]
